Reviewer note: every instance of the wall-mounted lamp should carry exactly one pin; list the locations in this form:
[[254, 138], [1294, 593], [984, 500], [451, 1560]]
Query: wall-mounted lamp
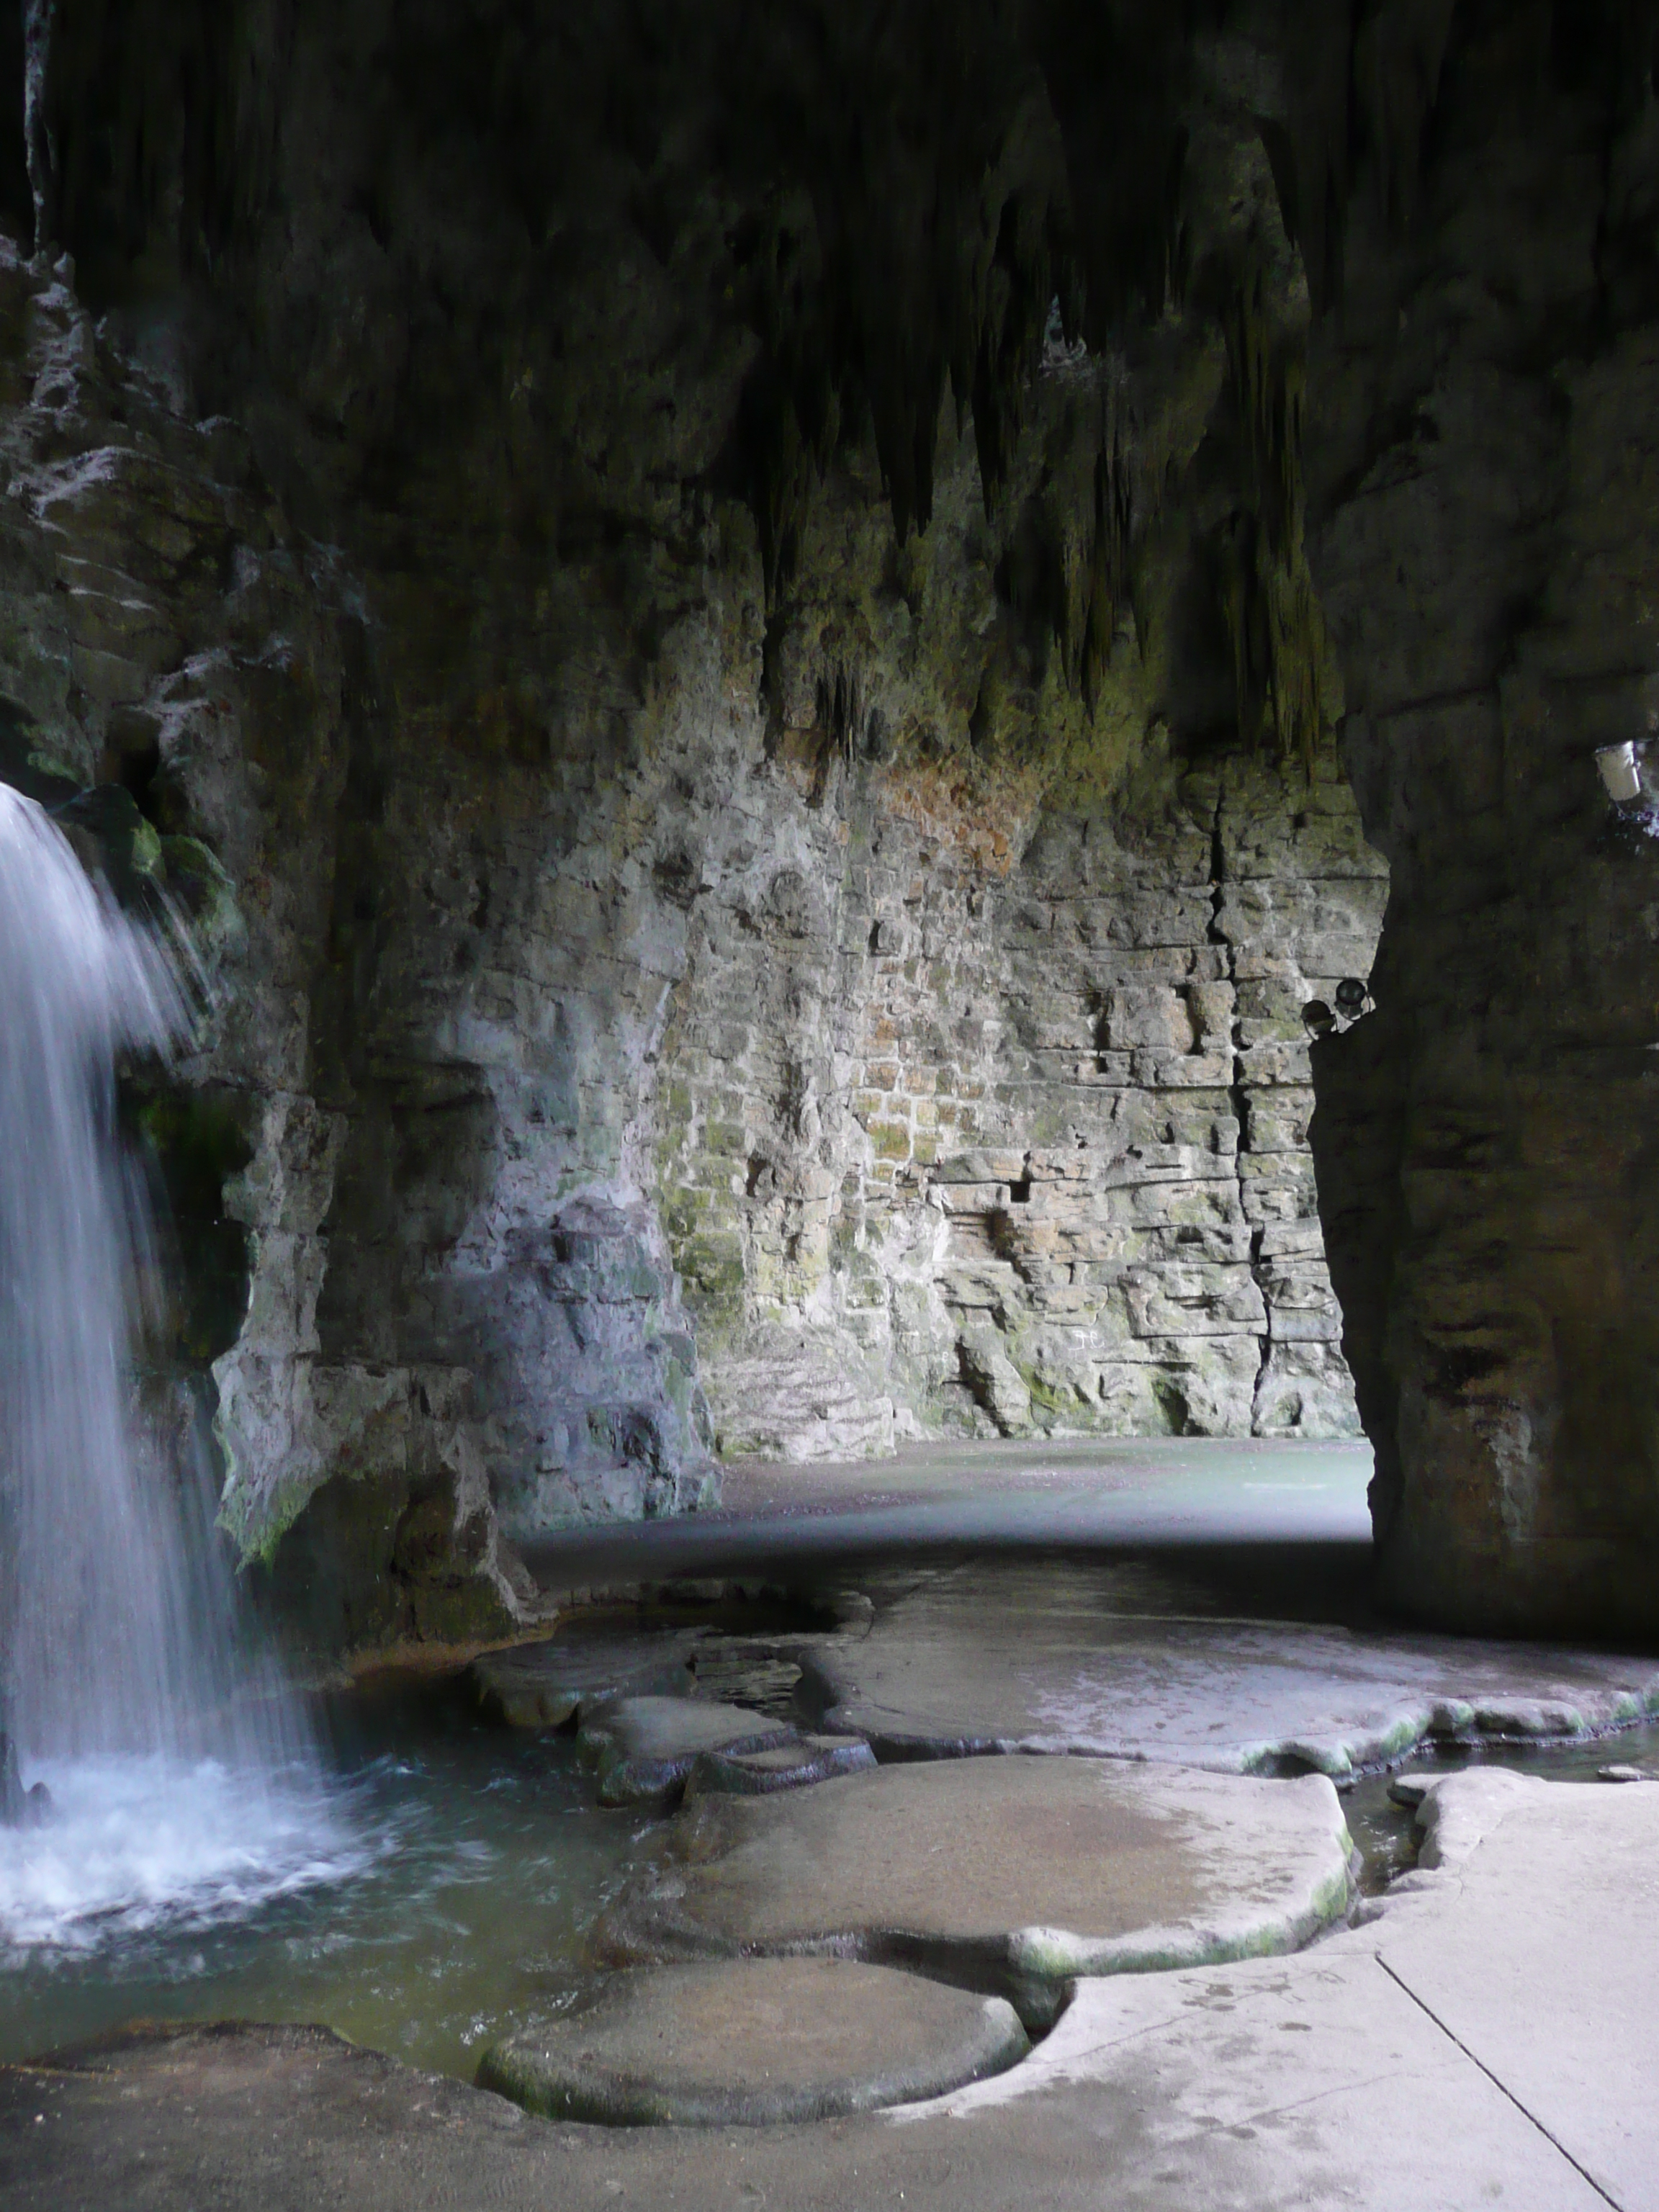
[[1354, 998], [1621, 771]]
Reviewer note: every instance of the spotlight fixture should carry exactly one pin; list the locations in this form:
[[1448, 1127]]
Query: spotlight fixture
[[1350, 997], [1621, 771], [1318, 1020]]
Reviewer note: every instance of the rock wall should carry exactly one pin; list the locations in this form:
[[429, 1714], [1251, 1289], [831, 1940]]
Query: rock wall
[[1482, 412], [541, 1095], [418, 1274], [761, 790], [1003, 1140]]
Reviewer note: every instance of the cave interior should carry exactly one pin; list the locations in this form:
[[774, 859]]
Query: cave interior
[[891, 736], [773, 648]]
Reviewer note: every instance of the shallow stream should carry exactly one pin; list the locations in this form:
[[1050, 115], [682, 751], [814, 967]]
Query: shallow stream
[[1385, 1830]]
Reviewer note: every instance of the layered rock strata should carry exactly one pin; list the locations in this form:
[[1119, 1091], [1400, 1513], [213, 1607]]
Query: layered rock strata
[[1000, 1142]]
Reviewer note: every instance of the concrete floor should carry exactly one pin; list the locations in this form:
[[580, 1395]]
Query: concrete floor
[[1124, 1493], [1480, 2034]]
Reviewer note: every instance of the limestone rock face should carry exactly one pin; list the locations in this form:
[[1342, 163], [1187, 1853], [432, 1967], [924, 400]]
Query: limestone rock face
[[1010, 1141], [398, 1305], [1481, 412], [1018, 1142], [710, 950], [754, 910]]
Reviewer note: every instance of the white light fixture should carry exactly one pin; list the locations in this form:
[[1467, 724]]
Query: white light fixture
[[1620, 771]]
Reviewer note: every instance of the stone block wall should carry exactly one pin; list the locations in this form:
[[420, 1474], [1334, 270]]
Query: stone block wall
[[1001, 1127]]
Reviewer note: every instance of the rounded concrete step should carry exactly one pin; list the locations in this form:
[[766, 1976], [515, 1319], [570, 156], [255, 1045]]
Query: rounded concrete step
[[784, 1766], [645, 1748], [752, 2042], [1014, 1874]]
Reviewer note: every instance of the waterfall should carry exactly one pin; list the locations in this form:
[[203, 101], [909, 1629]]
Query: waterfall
[[180, 1772]]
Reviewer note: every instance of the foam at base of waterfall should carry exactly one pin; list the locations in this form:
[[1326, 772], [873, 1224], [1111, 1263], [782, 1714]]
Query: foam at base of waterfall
[[140, 1841]]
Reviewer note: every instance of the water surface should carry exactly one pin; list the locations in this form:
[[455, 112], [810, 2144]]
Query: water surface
[[470, 1863]]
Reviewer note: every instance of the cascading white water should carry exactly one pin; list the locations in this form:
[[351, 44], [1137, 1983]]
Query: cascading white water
[[182, 1774]]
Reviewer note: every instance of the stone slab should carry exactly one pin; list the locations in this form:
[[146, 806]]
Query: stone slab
[[786, 1766], [1329, 2078], [755, 2043], [1341, 2076], [1513, 1965], [1547, 1972], [1078, 1669], [549, 1685], [1314, 2081], [1012, 1874], [645, 1748]]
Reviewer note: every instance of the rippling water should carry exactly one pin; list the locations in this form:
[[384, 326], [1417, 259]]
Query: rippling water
[[437, 1896], [141, 1843]]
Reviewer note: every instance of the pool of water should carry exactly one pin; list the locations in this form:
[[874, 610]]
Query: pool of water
[[463, 1866]]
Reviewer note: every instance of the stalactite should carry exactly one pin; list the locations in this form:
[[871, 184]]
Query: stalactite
[[925, 235], [1106, 522], [1068, 571], [1270, 389], [1108, 575], [913, 242], [154, 123], [1281, 655], [1399, 51], [1119, 75]]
